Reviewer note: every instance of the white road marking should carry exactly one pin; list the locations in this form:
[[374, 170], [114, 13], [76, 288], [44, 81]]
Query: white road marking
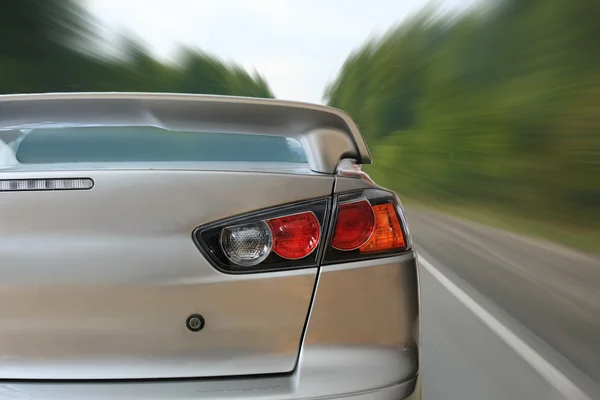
[[556, 378]]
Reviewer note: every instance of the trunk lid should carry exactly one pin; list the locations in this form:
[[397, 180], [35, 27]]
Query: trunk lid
[[98, 284]]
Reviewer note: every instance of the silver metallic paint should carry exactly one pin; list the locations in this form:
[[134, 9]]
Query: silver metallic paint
[[373, 303], [375, 356], [348, 184], [102, 282], [99, 283]]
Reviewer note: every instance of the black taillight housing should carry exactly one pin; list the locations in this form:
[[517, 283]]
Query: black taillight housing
[[353, 226], [366, 224], [282, 238]]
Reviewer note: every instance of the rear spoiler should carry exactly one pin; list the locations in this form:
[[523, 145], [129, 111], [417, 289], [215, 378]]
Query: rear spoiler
[[328, 135]]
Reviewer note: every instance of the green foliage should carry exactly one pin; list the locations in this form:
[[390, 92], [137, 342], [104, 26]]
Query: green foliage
[[49, 46], [498, 108]]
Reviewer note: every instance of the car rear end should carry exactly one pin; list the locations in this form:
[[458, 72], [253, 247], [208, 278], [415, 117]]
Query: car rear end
[[199, 247]]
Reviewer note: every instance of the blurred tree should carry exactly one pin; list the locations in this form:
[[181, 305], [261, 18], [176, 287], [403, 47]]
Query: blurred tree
[[48, 47], [496, 108]]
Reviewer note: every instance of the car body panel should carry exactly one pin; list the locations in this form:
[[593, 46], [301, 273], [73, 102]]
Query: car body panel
[[366, 302], [246, 167], [347, 352], [97, 284]]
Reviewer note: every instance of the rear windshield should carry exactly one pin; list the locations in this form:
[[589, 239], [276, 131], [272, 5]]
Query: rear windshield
[[141, 144]]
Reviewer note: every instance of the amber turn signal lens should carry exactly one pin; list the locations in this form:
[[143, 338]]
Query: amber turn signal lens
[[388, 233]]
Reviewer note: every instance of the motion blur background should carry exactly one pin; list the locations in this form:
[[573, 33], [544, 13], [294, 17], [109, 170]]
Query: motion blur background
[[480, 114], [490, 108]]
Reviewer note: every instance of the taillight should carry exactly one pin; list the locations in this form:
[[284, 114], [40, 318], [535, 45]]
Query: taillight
[[277, 239], [354, 226], [388, 234], [295, 236], [248, 244], [367, 224]]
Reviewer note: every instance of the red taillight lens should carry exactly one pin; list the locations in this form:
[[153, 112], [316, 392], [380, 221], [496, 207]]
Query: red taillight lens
[[295, 236], [367, 225], [278, 239], [388, 233], [354, 226]]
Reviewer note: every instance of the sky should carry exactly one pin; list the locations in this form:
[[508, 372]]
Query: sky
[[298, 46]]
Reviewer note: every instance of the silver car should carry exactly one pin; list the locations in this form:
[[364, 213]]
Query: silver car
[[199, 247]]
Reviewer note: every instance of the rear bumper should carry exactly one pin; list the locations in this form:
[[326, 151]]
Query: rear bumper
[[363, 332], [199, 390], [405, 390], [361, 342]]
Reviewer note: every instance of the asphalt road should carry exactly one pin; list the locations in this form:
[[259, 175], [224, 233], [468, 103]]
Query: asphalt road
[[543, 297]]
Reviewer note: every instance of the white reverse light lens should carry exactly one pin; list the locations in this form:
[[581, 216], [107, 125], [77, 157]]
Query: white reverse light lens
[[15, 185], [247, 245]]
